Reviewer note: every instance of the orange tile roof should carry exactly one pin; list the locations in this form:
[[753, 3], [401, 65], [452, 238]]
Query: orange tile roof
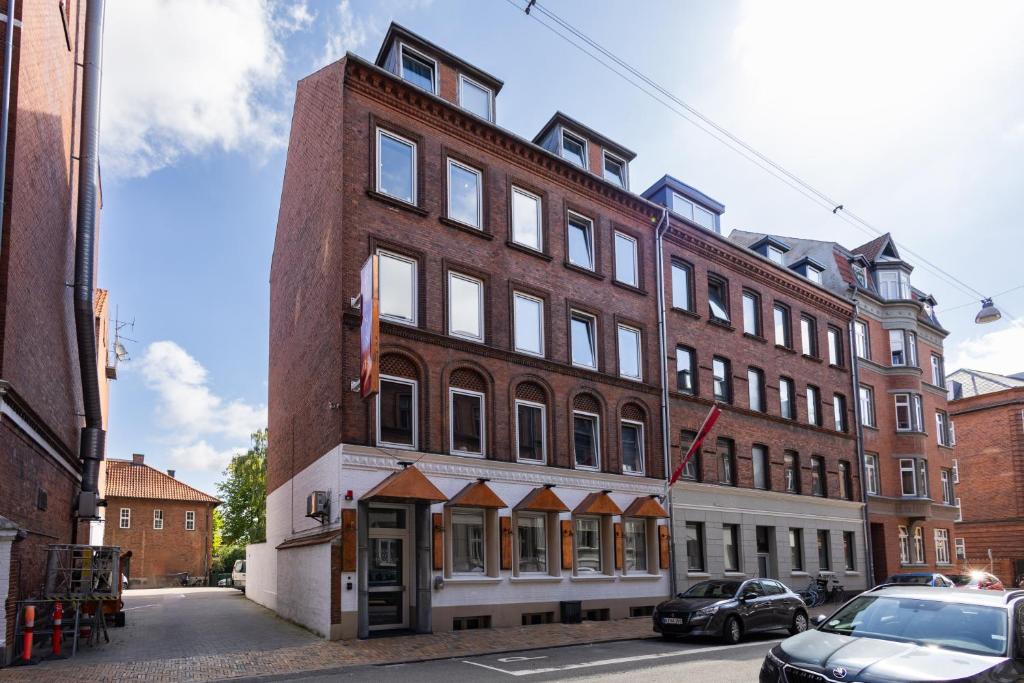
[[125, 479]]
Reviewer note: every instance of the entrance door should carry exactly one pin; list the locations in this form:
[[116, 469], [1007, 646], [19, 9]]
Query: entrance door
[[765, 565], [388, 578], [878, 556]]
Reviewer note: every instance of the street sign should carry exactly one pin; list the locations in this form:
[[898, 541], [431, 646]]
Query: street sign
[[369, 328]]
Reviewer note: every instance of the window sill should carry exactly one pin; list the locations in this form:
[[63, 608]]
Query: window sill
[[734, 574], [477, 232], [780, 347], [837, 367], [641, 577], [812, 358], [721, 323], [597, 578], [687, 312], [540, 578], [755, 337], [698, 575], [629, 288], [527, 250], [396, 203], [583, 271], [475, 580], [799, 572], [851, 572]]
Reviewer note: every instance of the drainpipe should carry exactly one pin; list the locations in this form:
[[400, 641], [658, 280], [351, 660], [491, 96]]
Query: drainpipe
[[5, 107], [869, 569], [659, 234], [92, 436]]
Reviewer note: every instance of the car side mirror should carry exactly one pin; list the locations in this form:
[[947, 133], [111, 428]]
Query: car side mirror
[[819, 620], [679, 595], [750, 595]]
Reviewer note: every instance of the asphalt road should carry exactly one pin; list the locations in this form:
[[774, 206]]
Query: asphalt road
[[653, 659]]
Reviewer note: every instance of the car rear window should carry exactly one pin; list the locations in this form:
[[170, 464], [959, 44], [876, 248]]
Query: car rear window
[[978, 629]]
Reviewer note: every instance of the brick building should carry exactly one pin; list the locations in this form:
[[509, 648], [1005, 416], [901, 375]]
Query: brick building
[[907, 456], [164, 522], [40, 383], [988, 411]]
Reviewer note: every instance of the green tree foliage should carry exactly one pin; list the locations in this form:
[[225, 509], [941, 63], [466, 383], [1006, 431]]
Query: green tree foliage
[[244, 492]]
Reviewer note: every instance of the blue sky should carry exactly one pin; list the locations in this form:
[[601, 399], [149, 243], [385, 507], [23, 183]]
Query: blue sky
[[911, 115]]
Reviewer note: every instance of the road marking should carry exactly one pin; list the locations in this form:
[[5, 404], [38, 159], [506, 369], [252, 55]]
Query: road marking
[[520, 659], [620, 660], [138, 607]]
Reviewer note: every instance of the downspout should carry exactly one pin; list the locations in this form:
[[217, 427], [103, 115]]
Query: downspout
[[855, 377], [659, 233], [93, 437], [5, 108]]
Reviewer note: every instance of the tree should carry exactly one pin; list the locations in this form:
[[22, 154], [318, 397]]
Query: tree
[[244, 492]]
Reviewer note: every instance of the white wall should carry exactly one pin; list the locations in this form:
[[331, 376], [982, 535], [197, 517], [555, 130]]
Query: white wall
[[261, 574], [304, 586], [6, 539]]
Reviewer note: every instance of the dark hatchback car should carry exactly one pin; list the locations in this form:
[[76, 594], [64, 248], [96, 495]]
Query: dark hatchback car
[[728, 609], [908, 633]]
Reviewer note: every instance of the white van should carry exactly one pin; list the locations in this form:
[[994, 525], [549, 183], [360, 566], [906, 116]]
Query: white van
[[238, 575]]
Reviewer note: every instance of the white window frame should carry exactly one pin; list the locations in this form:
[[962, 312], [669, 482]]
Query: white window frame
[[463, 79], [959, 511], [956, 471], [190, 520], [452, 391], [866, 399], [480, 306], [640, 444], [125, 519], [547, 544], [615, 158], [413, 160], [699, 212], [946, 482], [776, 255], [591, 243], [543, 433], [478, 225], [834, 345], [412, 294], [861, 340], [636, 258], [871, 473], [897, 345], [687, 271], [415, 414], [601, 564], [943, 430], [578, 138], [619, 329], [592, 326], [937, 373], [960, 548], [158, 519], [646, 570], [839, 413], [912, 468], [814, 274], [597, 441], [540, 218], [904, 539], [516, 295], [905, 400], [676, 197], [911, 344], [919, 552], [484, 538], [416, 54]]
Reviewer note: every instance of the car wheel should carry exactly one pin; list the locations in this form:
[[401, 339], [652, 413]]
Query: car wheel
[[732, 631], [799, 623], [668, 637]]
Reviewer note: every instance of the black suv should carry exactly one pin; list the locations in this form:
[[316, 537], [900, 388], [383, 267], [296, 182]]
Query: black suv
[[908, 633]]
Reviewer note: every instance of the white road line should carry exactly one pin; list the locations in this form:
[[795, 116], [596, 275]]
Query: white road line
[[622, 660], [138, 607]]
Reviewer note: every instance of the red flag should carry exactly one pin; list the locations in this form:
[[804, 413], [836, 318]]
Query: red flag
[[702, 433]]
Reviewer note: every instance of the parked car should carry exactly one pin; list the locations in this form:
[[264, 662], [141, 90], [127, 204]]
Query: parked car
[[920, 579], [977, 579], [729, 609], [908, 633], [238, 575]]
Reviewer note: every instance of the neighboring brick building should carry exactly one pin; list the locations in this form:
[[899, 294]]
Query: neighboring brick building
[[988, 411], [164, 522], [40, 385]]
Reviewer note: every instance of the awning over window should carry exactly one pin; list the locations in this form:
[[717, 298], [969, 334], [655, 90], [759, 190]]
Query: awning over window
[[598, 503], [404, 486], [645, 506], [542, 499], [314, 539], [478, 495]]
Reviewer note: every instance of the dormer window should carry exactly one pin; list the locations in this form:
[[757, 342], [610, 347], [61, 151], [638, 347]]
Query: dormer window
[[419, 70], [893, 284], [574, 149], [861, 275], [698, 214], [775, 255], [614, 170], [814, 274], [476, 98]]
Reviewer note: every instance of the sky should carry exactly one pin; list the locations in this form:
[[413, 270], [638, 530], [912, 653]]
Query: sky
[[909, 114]]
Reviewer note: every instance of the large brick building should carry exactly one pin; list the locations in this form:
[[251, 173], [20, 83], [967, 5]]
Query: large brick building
[[988, 412], [165, 523], [41, 397]]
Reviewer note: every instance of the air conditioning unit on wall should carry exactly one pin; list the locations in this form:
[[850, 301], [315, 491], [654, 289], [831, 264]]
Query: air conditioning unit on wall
[[318, 506]]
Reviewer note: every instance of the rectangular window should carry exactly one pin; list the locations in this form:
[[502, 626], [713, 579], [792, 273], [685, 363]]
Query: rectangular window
[[787, 407], [632, 434], [588, 545], [718, 299], [775, 255], [912, 349], [752, 314], [813, 405], [396, 166], [396, 413], [682, 276], [896, 347], [961, 549], [635, 532], [808, 336], [871, 473], [586, 447], [126, 518], [835, 347], [686, 365], [531, 432], [814, 275], [941, 546], [755, 389], [190, 520], [629, 352], [722, 375], [922, 478], [946, 477], [860, 339], [845, 481], [527, 219], [818, 476], [694, 547], [468, 544], [956, 471], [158, 519], [904, 545], [850, 551], [418, 70], [465, 307], [531, 532], [465, 194], [762, 467], [574, 149], [528, 312], [943, 434], [682, 206], [581, 241], [824, 550], [796, 549], [893, 284], [397, 275], [726, 462], [582, 339], [959, 512], [731, 547], [466, 411], [908, 477], [783, 337], [908, 412], [614, 170], [867, 405], [839, 412], [475, 98], [938, 373], [626, 269], [791, 465], [691, 470]]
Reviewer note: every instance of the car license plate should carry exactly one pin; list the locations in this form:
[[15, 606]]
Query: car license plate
[[671, 620]]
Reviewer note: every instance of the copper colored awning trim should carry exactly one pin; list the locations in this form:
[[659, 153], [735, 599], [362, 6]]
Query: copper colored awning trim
[[542, 499], [598, 503], [477, 495], [314, 539], [403, 486], [645, 506]]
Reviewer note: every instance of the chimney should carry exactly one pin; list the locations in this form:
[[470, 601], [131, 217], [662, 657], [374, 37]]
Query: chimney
[[170, 473], [138, 458]]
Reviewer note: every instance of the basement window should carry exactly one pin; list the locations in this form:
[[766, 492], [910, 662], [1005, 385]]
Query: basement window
[[471, 623]]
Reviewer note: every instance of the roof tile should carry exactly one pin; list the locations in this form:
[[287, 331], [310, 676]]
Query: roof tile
[[125, 479]]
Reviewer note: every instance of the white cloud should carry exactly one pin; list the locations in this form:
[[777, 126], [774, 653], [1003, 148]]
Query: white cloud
[[203, 457], [347, 33], [998, 351], [294, 17]]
